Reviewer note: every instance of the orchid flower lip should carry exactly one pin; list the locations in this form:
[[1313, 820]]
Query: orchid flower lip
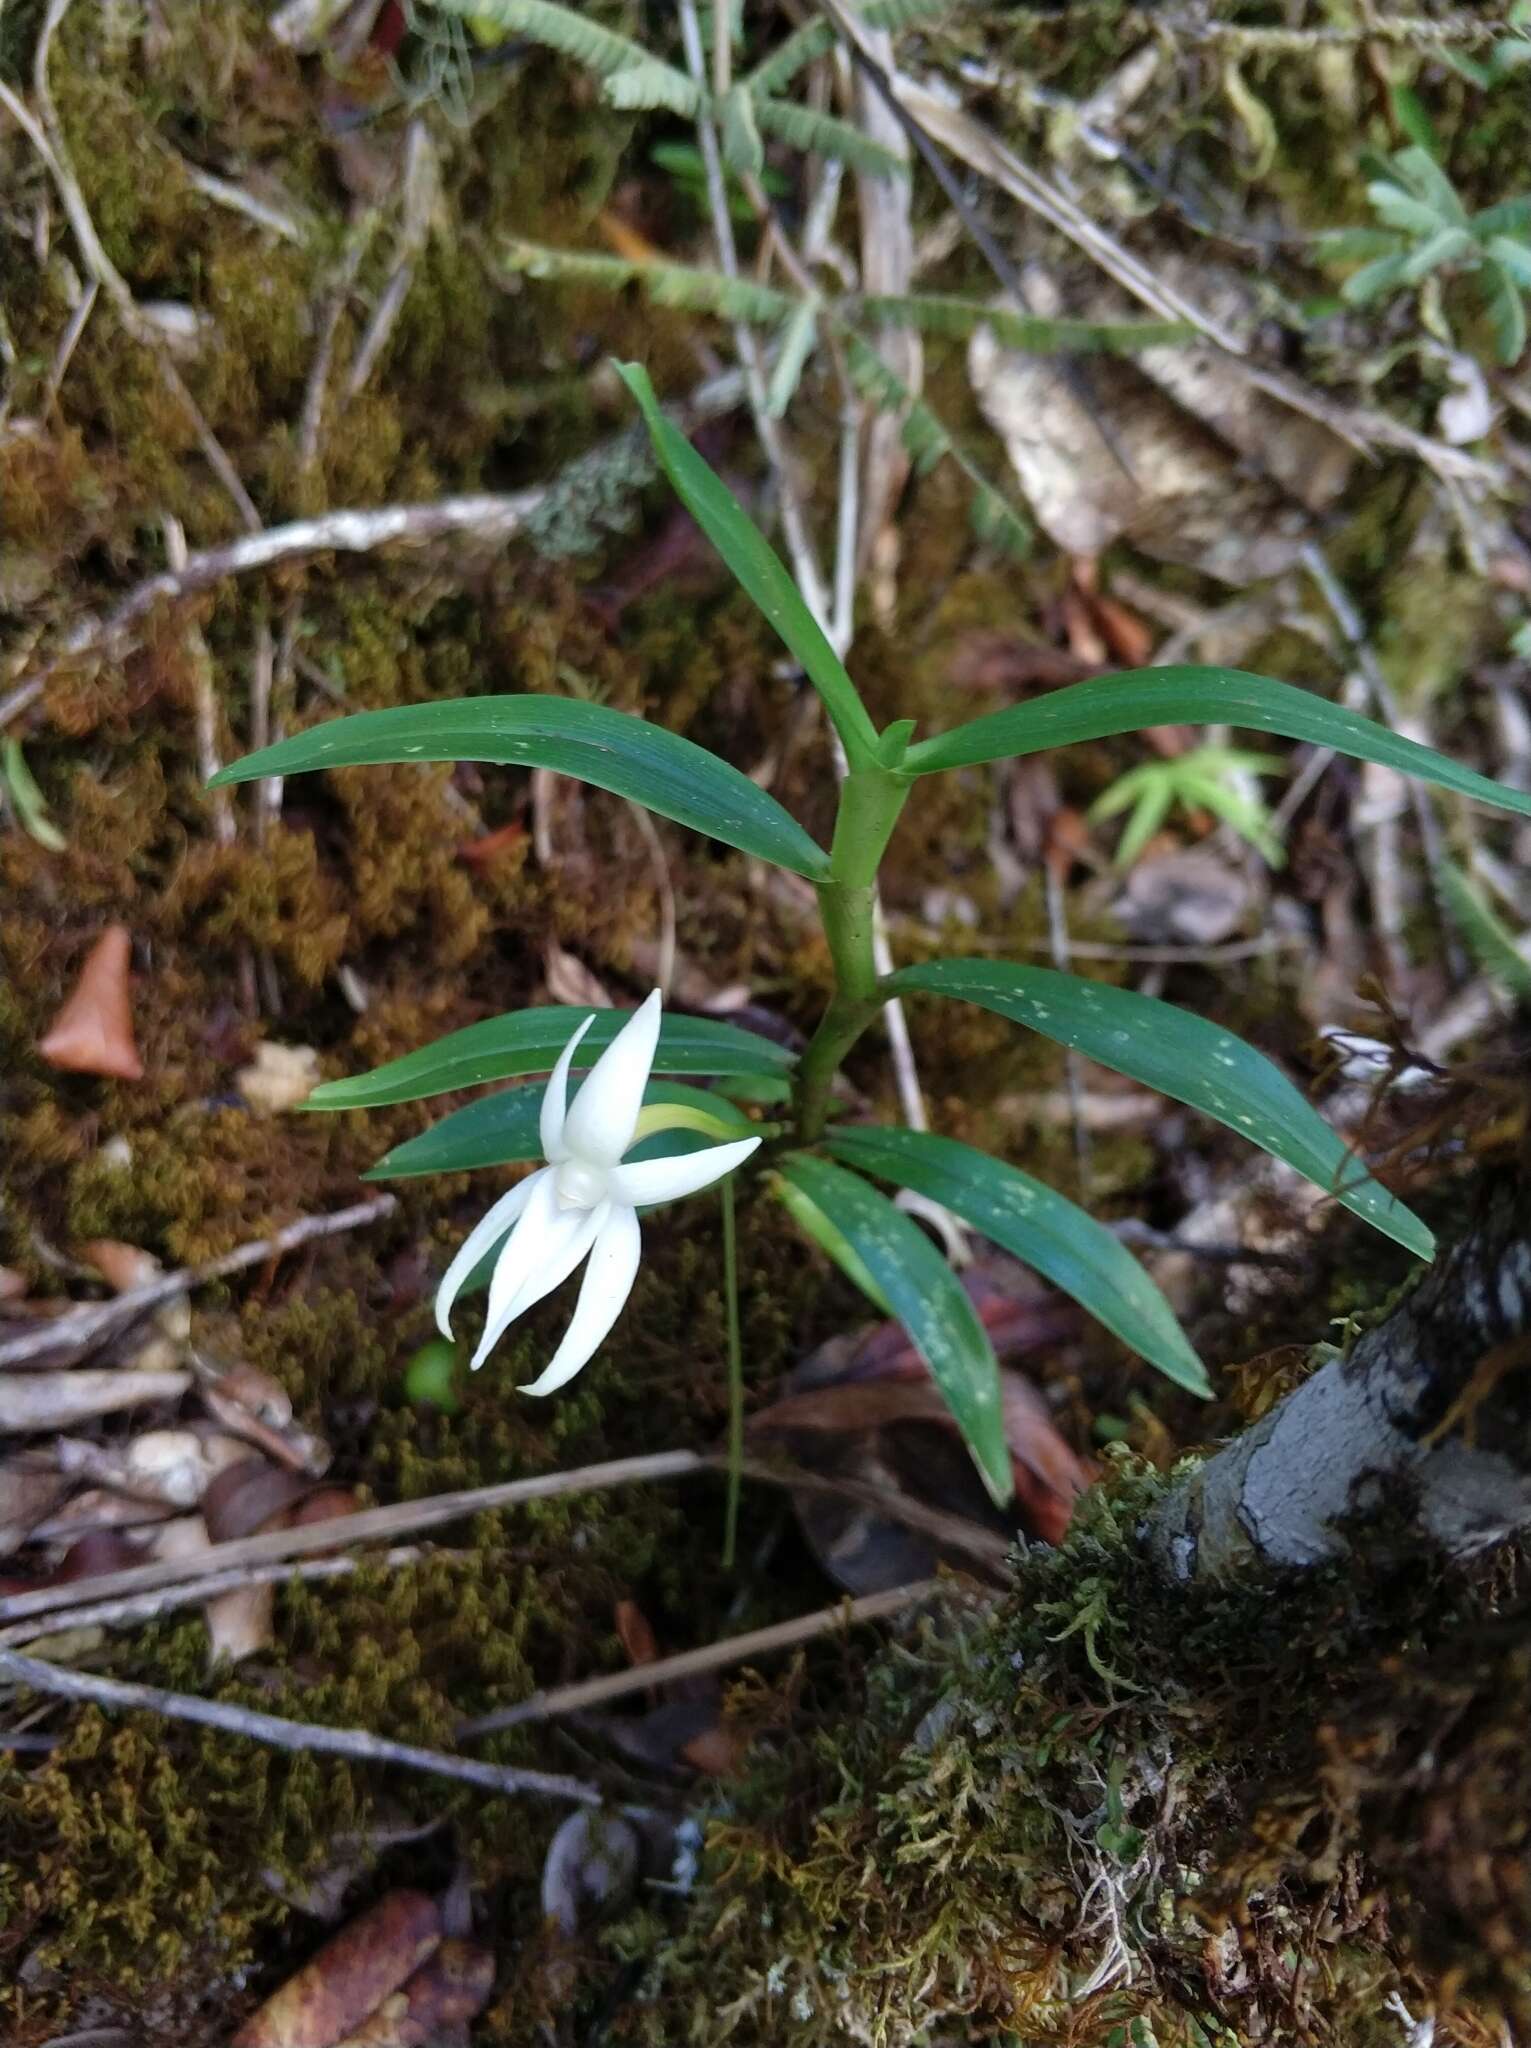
[[581, 1207]]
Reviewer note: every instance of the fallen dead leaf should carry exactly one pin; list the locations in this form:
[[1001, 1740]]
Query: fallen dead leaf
[[571, 981], [864, 1408], [93, 1032], [170, 1467], [634, 1633], [493, 846], [251, 1404], [345, 1983], [60, 1400], [247, 1498], [279, 1077], [123, 1267], [446, 1992], [1199, 468], [28, 1491]]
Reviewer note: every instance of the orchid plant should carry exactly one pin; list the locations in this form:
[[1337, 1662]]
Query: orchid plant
[[631, 1136]]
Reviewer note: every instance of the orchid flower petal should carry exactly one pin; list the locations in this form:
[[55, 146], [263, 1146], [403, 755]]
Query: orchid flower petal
[[603, 1295], [484, 1235], [665, 1180], [603, 1115], [557, 1264], [555, 1098], [540, 1237], [574, 1239]]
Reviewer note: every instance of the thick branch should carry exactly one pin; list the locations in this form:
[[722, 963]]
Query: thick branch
[[1426, 1421]]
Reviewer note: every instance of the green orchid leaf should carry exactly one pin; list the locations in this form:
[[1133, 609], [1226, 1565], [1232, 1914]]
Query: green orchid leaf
[[1139, 698], [529, 1042], [758, 568], [1182, 1056], [1039, 1227], [914, 1282], [591, 742]]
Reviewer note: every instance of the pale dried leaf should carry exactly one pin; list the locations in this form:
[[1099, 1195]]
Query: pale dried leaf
[[60, 1400], [172, 1467], [279, 1077], [570, 981]]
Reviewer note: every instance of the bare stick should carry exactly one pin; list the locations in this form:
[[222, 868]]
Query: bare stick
[[80, 1329], [147, 1606], [412, 1516], [277, 1733], [759, 1642]]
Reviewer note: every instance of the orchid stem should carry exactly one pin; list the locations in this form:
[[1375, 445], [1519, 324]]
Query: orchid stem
[[735, 1375]]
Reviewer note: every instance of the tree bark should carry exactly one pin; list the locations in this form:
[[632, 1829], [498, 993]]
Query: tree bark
[[1425, 1423]]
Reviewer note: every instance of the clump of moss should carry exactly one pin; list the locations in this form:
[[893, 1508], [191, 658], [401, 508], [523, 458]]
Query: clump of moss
[[1099, 1812]]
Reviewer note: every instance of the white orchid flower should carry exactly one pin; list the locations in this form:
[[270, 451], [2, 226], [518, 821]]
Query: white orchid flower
[[583, 1204]]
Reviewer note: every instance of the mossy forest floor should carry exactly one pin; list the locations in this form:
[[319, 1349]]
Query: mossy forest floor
[[148, 1869]]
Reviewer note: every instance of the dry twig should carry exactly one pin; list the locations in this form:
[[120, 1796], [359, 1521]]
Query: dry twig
[[279, 1733], [759, 1642], [80, 1330]]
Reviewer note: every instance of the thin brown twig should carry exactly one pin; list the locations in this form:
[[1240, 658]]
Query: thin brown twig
[[80, 1329], [149, 1606], [412, 1517], [759, 1642], [279, 1733]]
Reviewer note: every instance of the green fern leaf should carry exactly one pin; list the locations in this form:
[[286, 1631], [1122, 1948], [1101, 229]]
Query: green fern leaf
[[959, 317], [557, 28], [806, 128]]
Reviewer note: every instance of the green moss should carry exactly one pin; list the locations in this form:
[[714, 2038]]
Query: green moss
[[1096, 1813]]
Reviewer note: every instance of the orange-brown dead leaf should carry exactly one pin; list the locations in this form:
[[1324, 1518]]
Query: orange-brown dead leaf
[[634, 1633], [336, 1992], [93, 1032], [443, 1994]]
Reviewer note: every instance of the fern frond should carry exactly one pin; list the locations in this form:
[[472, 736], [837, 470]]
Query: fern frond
[[564, 29], [797, 341], [995, 518], [742, 149], [666, 284], [806, 128], [959, 317], [709, 291], [814, 39], [817, 39], [639, 88]]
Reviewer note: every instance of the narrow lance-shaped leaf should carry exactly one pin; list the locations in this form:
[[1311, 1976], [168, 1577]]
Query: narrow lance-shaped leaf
[[744, 548], [1036, 1225], [529, 1042], [503, 1129], [592, 742], [1181, 1056], [1139, 698], [913, 1279]]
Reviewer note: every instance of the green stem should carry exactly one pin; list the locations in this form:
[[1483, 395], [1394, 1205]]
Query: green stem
[[870, 802], [735, 1374]]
